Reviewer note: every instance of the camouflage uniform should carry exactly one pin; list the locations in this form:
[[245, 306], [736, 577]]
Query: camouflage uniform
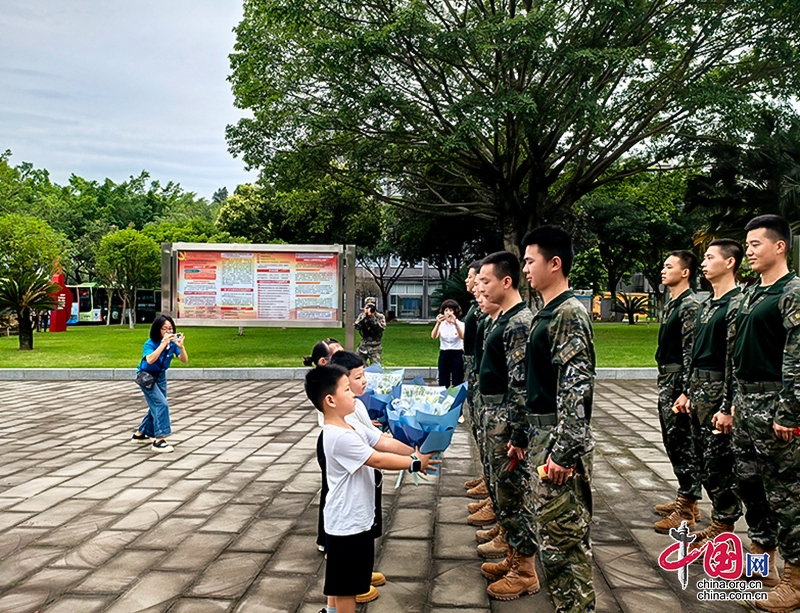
[[674, 358], [471, 321], [767, 369], [502, 389], [478, 408], [560, 390], [371, 329], [711, 391]]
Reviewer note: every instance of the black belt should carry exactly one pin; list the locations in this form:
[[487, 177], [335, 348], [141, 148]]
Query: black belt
[[750, 387], [708, 375], [547, 419], [669, 368]]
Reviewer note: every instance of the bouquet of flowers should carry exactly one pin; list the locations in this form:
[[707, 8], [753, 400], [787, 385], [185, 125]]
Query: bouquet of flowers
[[426, 418], [382, 388]]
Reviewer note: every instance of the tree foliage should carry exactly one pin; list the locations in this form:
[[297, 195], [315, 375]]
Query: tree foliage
[[29, 245], [523, 107], [128, 260]]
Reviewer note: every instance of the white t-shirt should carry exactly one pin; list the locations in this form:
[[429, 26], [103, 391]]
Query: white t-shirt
[[350, 505], [448, 335], [359, 416]]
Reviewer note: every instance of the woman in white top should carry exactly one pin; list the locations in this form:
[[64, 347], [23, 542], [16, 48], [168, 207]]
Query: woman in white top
[[450, 332]]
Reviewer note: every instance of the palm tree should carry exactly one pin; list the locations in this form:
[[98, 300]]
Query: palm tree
[[632, 306], [20, 295]]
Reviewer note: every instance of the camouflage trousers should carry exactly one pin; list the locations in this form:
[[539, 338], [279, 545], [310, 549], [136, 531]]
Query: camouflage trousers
[[508, 487], [470, 376], [676, 432], [563, 519], [370, 351], [715, 451], [768, 470]]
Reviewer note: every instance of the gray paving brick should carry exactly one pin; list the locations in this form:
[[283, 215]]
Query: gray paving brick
[[229, 576]]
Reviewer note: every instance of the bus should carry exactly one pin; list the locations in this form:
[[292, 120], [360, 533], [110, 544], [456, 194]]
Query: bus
[[90, 305]]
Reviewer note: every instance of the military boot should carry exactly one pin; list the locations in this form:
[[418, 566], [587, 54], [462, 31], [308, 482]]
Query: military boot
[[709, 534], [477, 506], [482, 517], [521, 579], [473, 482], [785, 597], [484, 536], [773, 578], [368, 596], [497, 570], [666, 509], [479, 491], [683, 512], [496, 548]]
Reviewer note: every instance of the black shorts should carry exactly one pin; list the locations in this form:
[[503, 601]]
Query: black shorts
[[348, 571]]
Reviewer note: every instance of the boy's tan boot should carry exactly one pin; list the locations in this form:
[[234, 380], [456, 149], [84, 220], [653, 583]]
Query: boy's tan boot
[[773, 578], [785, 597], [482, 517], [497, 570], [477, 506], [520, 580], [378, 579], [479, 491], [473, 482], [666, 509], [714, 530], [484, 536], [369, 596], [496, 548], [682, 512]]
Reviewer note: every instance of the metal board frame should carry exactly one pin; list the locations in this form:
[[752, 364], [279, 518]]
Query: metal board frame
[[169, 283]]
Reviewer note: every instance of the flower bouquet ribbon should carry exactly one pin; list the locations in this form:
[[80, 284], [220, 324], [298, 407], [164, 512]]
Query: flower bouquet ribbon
[[426, 417]]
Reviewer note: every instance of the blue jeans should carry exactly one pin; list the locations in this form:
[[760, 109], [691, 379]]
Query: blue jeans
[[156, 422]]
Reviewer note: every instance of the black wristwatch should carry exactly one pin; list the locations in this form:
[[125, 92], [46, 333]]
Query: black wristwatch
[[416, 464]]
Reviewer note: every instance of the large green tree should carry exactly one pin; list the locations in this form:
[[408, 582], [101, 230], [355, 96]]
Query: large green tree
[[529, 105], [128, 260]]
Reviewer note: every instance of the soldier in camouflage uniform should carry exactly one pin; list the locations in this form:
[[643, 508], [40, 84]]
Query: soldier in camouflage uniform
[[711, 386], [370, 325], [552, 429], [501, 384], [766, 359], [674, 358]]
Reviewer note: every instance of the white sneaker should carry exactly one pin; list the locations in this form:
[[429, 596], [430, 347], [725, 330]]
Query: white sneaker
[[162, 446]]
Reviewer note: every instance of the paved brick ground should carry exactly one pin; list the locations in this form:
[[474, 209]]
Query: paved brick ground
[[92, 523]]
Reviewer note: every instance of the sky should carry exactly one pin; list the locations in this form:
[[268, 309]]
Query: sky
[[109, 88]]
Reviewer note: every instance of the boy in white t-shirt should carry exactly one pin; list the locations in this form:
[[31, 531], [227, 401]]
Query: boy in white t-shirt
[[351, 451]]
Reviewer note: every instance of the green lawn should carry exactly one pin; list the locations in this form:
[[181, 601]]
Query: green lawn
[[617, 345]]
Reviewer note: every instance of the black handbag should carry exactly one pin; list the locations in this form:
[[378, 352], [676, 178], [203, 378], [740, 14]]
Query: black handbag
[[147, 379]]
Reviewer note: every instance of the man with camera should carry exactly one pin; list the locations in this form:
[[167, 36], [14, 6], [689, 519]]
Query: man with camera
[[370, 325]]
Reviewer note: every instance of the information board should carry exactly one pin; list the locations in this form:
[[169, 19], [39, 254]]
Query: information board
[[256, 284]]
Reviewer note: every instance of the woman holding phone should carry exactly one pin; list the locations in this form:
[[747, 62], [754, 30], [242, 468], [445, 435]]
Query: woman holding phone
[[157, 354], [449, 329]]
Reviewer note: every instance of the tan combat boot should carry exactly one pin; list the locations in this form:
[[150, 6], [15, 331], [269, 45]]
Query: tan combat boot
[[377, 580], [683, 512], [369, 596], [496, 548], [497, 570], [479, 491], [520, 580], [477, 506], [473, 482], [785, 597], [773, 578], [482, 517], [666, 509], [484, 536], [709, 534]]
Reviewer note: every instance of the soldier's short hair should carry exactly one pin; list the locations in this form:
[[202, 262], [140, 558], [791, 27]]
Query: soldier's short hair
[[476, 266], [322, 381], [552, 241], [777, 228], [729, 249], [688, 261], [505, 264]]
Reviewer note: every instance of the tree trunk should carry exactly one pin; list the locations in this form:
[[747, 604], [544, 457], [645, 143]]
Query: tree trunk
[[132, 319], [124, 306], [386, 304], [108, 312], [25, 330]]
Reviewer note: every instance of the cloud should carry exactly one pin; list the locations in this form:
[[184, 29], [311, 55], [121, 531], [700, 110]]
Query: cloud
[[107, 89]]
